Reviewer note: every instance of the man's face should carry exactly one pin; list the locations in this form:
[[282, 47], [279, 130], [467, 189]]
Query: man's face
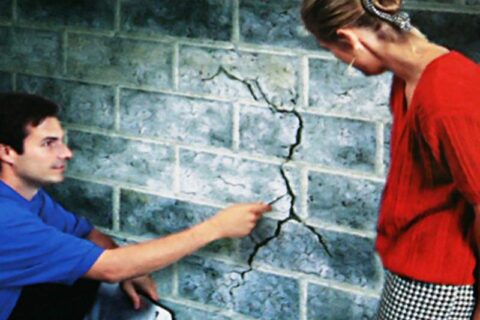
[[44, 156]]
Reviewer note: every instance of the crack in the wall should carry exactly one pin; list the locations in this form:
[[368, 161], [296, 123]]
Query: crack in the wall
[[257, 92]]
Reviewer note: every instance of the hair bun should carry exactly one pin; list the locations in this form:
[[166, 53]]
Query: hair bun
[[388, 6]]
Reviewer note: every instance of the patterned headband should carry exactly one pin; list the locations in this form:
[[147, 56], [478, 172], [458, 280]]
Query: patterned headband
[[400, 19]]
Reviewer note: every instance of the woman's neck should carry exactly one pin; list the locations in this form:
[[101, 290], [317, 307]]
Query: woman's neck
[[409, 59]]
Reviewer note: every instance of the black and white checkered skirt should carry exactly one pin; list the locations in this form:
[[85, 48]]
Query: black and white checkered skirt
[[407, 299]]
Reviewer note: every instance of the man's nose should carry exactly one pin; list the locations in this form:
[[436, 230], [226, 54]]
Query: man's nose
[[66, 152]]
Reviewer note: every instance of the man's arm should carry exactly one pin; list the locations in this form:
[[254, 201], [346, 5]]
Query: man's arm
[[132, 287], [138, 259], [102, 240]]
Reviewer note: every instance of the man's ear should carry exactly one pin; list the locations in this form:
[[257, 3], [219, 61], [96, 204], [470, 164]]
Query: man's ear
[[7, 154]]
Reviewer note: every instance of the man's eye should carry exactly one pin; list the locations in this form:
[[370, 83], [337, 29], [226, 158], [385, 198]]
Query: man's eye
[[48, 143]]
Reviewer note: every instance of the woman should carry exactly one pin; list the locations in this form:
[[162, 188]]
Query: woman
[[428, 228]]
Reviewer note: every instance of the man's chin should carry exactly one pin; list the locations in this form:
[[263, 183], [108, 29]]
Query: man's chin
[[53, 180]]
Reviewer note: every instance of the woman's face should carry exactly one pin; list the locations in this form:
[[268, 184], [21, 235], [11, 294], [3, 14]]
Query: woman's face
[[363, 59]]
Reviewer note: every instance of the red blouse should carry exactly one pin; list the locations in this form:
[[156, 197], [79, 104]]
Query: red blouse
[[426, 214]]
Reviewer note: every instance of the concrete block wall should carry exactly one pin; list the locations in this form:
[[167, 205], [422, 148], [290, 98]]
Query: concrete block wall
[[176, 108]]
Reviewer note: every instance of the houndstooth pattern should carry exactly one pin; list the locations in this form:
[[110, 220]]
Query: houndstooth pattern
[[406, 299]]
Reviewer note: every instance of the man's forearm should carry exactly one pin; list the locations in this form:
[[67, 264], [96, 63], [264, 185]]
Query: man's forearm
[[133, 260], [101, 239]]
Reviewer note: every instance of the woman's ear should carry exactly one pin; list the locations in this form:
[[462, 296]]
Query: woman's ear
[[349, 39]]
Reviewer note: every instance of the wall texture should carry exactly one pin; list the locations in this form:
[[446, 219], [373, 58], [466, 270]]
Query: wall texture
[[176, 108]]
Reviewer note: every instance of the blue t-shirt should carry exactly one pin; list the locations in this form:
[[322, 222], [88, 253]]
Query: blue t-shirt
[[40, 242]]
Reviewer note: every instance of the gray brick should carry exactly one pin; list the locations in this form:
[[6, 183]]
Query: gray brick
[[190, 313], [223, 178], [277, 23], [152, 216], [338, 142], [352, 258], [187, 120], [32, 50], [276, 75], [387, 145], [140, 163], [344, 201], [120, 61], [331, 304], [91, 200], [260, 295], [266, 296], [210, 19], [78, 13], [80, 103], [445, 27], [164, 279], [333, 89], [5, 82], [5, 10], [267, 132]]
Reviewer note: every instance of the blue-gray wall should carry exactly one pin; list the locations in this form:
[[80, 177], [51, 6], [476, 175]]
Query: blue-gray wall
[[173, 111]]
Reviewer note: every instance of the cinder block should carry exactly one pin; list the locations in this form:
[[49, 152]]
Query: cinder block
[[30, 50], [210, 19], [119, 61], [387, 146], [145, 164], [5, 10], [275, 23], [80, 103], [79, 13], [265, 131], [344, 201], [276, 75], [330, 304], [337, 142], [259, 295], [190, 313], [228, 179], [5, 82], [164, 279], [297, 248], [91, 200], [177, 118], [334, 89]]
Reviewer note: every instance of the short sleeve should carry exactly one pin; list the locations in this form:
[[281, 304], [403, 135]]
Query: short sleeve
[[55, 215], [456, 141], [32, 252]]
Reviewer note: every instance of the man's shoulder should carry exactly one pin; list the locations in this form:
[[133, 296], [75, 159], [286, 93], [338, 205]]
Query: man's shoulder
[[13, 214]]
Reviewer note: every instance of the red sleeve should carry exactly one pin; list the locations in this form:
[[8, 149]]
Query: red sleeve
[[456, 141]]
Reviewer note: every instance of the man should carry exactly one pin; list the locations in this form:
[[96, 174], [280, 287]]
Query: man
[[50, 259]]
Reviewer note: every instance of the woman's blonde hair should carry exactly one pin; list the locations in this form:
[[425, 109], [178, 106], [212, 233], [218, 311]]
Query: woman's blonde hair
[[324, 17]]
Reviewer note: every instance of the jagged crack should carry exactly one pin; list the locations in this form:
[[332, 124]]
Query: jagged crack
[[257, 92]]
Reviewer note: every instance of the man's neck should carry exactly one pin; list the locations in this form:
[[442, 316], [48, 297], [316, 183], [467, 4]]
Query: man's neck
[[23, 188]]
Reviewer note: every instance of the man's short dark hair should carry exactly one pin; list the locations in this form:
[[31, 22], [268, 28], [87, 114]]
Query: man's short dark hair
[[17, 112]]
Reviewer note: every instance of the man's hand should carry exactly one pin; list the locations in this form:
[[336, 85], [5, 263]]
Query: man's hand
[[238, 220], [133, 288]]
